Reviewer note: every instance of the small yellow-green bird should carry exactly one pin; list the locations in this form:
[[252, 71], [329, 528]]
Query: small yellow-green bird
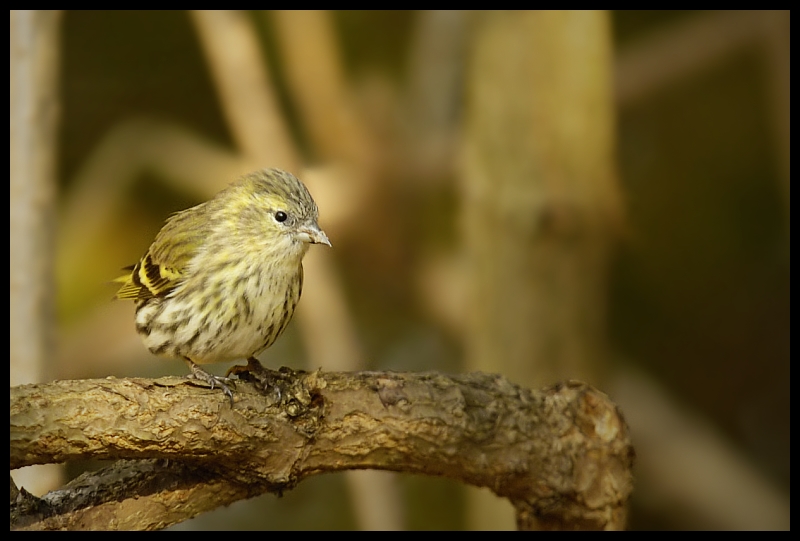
[[222, 279]]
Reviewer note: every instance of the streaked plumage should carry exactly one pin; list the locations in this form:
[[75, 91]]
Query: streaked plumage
[[222, 279]]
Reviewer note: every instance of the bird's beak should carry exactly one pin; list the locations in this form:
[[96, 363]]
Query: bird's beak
[[313, 234]]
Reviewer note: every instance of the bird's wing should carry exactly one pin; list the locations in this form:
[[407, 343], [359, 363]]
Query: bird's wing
[[164, 265]]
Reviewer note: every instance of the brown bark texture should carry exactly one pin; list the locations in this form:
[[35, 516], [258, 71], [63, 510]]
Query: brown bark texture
[[561, 455]]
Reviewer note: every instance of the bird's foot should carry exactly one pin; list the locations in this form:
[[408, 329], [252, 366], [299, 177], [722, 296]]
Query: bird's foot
[[215, 381]]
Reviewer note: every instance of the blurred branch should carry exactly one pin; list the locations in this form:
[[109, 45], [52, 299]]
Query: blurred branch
[[539, 173], [541, 204], [34, 118], [245, 88], [685, 465], [776, 46], [561, 455], [437, 54], [316, 76], [676, 52], [191, 163]]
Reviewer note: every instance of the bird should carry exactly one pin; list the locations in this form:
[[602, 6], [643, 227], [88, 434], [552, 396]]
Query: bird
[[222, 279]]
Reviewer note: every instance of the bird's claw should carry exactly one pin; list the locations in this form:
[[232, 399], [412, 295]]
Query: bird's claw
[[214, 381]]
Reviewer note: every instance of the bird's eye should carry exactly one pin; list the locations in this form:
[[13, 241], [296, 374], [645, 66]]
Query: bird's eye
[[280, 216]]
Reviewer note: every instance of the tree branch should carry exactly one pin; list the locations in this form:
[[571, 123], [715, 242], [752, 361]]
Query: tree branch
[[561, 455]]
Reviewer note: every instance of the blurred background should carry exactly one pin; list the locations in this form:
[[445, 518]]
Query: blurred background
[[547, 195]]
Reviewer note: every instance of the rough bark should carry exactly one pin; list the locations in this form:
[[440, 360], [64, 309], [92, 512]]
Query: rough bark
[[561, 455]]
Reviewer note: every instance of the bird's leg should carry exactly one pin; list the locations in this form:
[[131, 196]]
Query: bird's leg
[[215, 381]]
